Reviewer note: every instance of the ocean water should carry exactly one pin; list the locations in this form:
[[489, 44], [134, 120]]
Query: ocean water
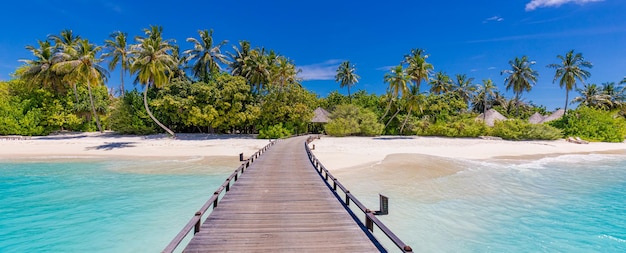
[[572, 203], [100, 206]]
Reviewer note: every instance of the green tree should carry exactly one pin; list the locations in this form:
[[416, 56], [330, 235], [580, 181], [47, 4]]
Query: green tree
[[616, 93], [284, 73], [413, 101], [207, 56], [83, 67], [397, 80], [117, 50], [66, 42], [152, 63], [593, 96], [441, 83], [571, 68], [521, 77], [418, 69], [486, 93], [346, 76], [464, 88], [39, 70]]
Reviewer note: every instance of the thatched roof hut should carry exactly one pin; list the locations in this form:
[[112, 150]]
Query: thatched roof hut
[[554, 116], [320, 116], [491, 117], [536, 118]]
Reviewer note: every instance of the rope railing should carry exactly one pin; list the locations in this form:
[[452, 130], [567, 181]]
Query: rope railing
[[370, 216], [196, 221]]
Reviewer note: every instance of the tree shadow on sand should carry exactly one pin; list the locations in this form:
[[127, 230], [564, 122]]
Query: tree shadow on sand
[[112, 145]]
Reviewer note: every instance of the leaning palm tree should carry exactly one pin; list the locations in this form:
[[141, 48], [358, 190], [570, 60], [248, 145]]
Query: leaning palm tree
[[153, 64], [521, 77], [441, 83], [84, 67], [346, 76], [117, 48], [413, 99], [397, 80], [39, 70], [418, 69], [569, 70], [206, 55]]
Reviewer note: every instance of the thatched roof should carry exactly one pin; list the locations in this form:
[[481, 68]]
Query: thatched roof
[[320, 116], [554, 116], [492, 116], [536, 118]]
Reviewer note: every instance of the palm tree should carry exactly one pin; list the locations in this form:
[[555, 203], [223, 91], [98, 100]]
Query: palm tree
[[240, 58], [464, 88], [83, 67], [441, 83], [486, 91], [521, 77], [39, 70], [346, 76], [284, 73], [593, 96], [413, 99], [66, 42], [616, 94], [118, 52], [153, 64], [570, 69], [208, 57], [418, 69], [398, 80]]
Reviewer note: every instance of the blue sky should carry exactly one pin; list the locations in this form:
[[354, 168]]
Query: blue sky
[[474, 37]]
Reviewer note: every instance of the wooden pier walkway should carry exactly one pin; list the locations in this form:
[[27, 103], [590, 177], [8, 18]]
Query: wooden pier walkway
[[281, 204]]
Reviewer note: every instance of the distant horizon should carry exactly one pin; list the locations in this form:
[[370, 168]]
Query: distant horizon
[[475, 38]]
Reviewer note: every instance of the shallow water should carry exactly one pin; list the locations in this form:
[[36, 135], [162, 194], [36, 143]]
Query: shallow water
[[562, 204], [100, 206]]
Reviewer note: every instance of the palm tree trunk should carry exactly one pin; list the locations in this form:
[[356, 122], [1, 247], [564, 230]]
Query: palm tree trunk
[[485, 108], [386, 111], [349, 96], [75, 92], [406, 119], [566, 100], [392, 117], [93, 107], [122, 79], [145, 104]]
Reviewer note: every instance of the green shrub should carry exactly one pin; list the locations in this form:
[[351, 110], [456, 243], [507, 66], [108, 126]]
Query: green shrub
[[592, 124], [130, 117], [466, 127], [274, 132], [350, 119], [517, 129]]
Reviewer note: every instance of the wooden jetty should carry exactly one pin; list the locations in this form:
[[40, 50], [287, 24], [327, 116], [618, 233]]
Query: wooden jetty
[[282, 203]]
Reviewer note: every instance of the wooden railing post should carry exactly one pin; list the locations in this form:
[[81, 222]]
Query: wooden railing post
[[196, 227], [368, 222]]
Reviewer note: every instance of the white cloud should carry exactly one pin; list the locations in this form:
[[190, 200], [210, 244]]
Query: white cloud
[[493, 19], [491, 68], [320, 71], [534, 4]]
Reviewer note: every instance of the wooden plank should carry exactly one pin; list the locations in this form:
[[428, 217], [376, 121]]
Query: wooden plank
[[280, 204]]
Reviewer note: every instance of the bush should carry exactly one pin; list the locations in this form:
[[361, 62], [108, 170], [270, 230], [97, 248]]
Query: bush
[[592, 124], [517, 129], [130, 117], [274, 132], [466, 127], [352, 120]]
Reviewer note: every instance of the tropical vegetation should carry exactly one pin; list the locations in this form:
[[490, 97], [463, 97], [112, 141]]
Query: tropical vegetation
[[202, 87]]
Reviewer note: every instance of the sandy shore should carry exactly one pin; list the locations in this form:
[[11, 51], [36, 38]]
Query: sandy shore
[[346, 152], [97, 145]]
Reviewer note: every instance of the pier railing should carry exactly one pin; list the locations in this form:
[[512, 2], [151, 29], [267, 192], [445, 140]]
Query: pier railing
[[370, 216], [196, 220]]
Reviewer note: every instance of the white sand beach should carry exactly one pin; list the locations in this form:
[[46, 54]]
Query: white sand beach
[[346, 152], [97, 145]]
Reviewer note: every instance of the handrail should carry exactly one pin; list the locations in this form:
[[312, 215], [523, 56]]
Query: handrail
[[195, 222], [370, 217]]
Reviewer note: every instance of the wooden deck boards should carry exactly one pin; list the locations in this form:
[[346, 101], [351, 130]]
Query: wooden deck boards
[[280, 204]]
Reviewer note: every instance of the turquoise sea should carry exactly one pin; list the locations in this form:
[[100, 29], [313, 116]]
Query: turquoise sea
[[574, 203]]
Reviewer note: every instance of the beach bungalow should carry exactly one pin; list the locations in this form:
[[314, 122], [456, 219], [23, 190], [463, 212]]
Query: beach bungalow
[[491, 117], [554, 116], [320, 117], [536, 118]]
